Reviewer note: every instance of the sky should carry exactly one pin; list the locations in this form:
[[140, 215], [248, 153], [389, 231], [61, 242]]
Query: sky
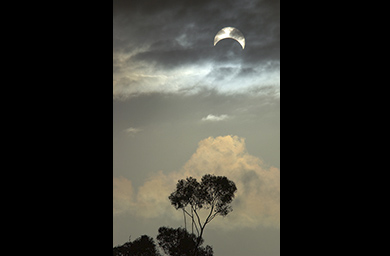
[[184, 107]]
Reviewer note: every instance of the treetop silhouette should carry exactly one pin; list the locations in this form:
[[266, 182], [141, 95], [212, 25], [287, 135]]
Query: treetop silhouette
[[142, 246], [178, 242], [213, 193]]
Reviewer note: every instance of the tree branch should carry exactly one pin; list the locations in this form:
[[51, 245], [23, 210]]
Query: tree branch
[[200, 224], [185, 222], [212, 217], [186, 212], [193, 222], [211, 211]]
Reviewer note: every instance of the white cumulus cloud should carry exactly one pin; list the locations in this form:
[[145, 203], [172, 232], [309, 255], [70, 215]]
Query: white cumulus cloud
[[215, 118]]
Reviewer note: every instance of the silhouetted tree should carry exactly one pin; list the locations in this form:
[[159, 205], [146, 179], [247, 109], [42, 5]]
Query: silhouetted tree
[[178, 242], [213, 193], [122, 250], [142, 246]]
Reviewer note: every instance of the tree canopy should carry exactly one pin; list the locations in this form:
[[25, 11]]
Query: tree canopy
[[178, 242], [213, 193], [142, 246]]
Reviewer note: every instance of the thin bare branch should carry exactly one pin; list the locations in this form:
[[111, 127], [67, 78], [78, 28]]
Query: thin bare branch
[[193, 222], [200, 224], [211, 211], [212, 217], [185, 222], [187, 212]]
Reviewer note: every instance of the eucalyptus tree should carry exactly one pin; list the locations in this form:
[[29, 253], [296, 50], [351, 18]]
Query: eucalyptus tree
[[213, 195]]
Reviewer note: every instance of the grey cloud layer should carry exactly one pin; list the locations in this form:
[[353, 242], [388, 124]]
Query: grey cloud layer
[[167, 46]]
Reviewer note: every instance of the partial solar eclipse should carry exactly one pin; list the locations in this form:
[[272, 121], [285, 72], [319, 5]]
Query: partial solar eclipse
[[230, 32]]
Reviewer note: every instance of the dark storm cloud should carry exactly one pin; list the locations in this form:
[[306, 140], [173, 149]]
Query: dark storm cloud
[[183, 7], [178, 32], [168, 46]]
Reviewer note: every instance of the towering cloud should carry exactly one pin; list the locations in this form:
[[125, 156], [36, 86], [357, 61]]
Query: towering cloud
[[258, 187], [257, 201]]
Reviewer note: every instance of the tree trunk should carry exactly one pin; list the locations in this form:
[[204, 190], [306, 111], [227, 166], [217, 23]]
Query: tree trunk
[[198, 242]]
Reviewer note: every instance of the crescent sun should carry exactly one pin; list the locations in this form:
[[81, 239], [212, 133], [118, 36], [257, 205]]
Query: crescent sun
[[230, 32]]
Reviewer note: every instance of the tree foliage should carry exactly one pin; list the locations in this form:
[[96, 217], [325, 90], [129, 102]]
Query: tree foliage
[[178, 242], [213, 193], [142, 246]]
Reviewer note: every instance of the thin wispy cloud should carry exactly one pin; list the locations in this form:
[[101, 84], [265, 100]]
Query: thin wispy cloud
[[215, 118], [132, 130]]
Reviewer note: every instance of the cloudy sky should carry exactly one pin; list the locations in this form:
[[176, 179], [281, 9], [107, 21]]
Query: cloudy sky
[[184, 107]]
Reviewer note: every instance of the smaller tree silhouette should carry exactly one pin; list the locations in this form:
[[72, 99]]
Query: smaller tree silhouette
[[122, 250], [142, 246], [178, 242]]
